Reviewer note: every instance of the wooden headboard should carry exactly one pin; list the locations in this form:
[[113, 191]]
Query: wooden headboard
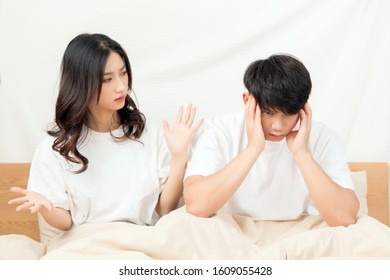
[[16, 174], [377, 188]]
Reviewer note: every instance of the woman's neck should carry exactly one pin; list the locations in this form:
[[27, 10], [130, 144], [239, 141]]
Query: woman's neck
[[104, 123]]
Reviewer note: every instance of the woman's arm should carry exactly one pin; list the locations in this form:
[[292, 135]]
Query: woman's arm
[[35, 202], [178, 140]]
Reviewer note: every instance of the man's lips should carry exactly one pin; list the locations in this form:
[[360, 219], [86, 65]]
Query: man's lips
[[277, 135]]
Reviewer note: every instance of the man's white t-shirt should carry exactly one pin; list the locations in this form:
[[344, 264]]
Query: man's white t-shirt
[[274, 188], [122, 183]]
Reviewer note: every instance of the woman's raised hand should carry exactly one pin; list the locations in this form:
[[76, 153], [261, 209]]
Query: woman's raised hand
[[179, 136]]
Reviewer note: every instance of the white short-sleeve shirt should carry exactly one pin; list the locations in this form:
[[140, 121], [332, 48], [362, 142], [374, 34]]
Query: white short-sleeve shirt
[[122, 183], [274, 188]]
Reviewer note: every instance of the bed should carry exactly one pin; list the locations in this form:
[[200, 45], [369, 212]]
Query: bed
[[180, 235]]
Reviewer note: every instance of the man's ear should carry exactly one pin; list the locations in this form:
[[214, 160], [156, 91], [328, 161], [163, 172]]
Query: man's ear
[[245, 97]]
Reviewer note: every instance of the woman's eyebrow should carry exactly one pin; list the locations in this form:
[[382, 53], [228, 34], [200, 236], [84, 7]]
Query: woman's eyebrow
[[109, 73]]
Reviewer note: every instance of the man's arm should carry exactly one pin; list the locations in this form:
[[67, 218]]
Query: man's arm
[[336, 205], [205, 195]]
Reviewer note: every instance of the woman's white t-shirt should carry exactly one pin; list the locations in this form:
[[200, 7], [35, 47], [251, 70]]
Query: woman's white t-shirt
[[274, 189], [122, 183]]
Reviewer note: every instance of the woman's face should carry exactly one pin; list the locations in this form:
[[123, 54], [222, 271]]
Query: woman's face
[[114, 87]]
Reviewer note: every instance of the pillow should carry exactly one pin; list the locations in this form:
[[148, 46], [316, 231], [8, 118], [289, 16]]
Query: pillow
[[20, 247], [359, 180]]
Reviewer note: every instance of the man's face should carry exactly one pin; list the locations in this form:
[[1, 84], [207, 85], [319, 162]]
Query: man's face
[[276, 125]]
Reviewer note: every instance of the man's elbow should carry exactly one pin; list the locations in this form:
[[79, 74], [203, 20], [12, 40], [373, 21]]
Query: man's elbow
[[349, 221], [343, 220], [346, 215], [194, 203], [196, 210], [194, 206], [350, 215]]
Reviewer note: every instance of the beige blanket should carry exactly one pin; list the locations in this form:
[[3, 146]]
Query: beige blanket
[[180, 235]]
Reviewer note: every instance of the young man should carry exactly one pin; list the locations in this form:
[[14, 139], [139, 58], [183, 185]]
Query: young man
[[271, 162]]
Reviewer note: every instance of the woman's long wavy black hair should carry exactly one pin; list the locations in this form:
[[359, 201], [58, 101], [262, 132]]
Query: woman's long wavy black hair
[[82, 72]]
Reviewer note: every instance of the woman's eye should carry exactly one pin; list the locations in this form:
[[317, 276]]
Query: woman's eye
[[124, 73], [106, 80]]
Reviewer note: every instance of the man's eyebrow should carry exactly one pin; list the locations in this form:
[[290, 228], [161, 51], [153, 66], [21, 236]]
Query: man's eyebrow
[[109, 73]]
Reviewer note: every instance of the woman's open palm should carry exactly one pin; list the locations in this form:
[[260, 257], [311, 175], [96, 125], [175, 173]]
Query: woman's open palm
[[179, 136]]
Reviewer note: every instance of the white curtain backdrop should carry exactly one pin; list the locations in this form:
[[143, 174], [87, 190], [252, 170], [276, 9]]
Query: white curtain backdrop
[[197, 51]]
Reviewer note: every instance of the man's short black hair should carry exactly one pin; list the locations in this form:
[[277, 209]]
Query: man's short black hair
[[279, 83]]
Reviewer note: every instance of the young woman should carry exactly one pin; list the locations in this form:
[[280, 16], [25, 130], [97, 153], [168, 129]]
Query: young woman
[[101, 162]]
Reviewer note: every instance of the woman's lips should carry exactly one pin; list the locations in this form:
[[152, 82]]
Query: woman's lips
[[120, 99]]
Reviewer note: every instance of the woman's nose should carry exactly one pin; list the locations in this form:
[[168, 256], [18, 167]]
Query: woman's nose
[[119, 86]]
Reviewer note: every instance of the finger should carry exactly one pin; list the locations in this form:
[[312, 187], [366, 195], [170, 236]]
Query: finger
[[47, 204], [308, 111], [250, 108], [247, 105], [188, 113], [302, 117], [292, 134], [179, 115], [307, 107], [197, 125], [258, 114], [35, 208], [253, 108], [19, 200], [165, 126], [19, 190], [24, 206], [305, 124], [192, 117]]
